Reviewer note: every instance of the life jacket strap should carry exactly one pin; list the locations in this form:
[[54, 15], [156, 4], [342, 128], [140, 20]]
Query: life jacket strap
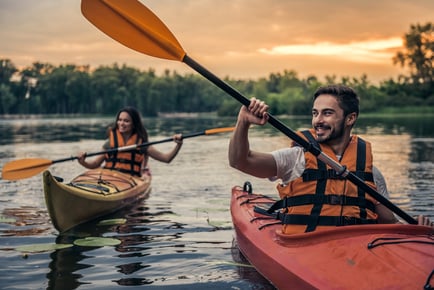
[[290, 219], [298, 219], [331, 199], [124, 161], [316, 174]]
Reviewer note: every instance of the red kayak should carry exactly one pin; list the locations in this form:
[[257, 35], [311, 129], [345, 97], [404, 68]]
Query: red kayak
[[379, 256]]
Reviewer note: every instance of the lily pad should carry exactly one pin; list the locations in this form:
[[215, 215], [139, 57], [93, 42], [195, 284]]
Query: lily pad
[[220, 224], [231, 264], [96, 242], [111, 222], [37, 248], [4, 219]]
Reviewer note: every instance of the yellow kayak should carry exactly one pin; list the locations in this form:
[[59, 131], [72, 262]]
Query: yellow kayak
[[90, 195]]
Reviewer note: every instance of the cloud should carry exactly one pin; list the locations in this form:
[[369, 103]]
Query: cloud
[[361, 51]]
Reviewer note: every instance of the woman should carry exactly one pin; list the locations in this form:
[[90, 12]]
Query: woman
[[129, 131]]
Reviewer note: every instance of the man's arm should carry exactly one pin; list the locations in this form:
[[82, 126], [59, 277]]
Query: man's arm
[[385, 215], [240, 156]]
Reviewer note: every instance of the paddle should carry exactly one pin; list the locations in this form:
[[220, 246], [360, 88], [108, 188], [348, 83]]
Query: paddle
[[135, 26], [24, 168]]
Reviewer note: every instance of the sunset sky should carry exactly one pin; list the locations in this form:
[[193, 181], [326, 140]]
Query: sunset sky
[[238, 38]]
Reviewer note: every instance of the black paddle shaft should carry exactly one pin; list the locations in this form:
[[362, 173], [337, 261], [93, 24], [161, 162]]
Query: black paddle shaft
[[129, 148], [341, 170]]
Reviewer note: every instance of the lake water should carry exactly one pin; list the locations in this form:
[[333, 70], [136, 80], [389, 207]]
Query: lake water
[[181, 237]]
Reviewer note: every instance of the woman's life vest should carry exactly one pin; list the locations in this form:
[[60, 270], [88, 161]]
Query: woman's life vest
[[320, 198], [128, 162]]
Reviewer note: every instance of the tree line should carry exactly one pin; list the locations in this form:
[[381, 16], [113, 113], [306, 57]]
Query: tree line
[[43, 88]]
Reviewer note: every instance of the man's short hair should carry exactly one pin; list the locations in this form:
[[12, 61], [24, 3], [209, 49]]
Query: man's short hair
[[347, 98]]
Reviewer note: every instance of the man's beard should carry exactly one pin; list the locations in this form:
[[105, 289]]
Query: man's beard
[[336, 134]]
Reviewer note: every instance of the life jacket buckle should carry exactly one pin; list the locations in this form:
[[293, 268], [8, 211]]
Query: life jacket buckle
[[337, 199]]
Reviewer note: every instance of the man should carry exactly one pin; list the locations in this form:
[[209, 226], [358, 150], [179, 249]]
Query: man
[[314, 196]]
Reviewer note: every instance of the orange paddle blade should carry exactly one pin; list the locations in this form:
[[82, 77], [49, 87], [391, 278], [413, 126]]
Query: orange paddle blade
[[24, 168], [134, 25]]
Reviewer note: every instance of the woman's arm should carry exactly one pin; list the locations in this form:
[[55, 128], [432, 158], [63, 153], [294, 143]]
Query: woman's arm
[[168, 156], [94, 163]]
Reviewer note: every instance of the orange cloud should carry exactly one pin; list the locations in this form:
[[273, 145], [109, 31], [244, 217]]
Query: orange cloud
[[363, 51]]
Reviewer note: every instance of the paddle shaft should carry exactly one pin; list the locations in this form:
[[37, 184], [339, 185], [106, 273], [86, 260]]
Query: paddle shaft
[[341, 170], [131, 147]]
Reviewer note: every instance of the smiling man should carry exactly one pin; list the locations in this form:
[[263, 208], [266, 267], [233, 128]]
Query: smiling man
[[312, 195]]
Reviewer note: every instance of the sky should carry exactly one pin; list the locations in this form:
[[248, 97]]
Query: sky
[[242, 39]]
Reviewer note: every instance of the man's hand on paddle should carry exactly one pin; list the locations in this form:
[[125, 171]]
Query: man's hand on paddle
[[424, 221], [255, 113]]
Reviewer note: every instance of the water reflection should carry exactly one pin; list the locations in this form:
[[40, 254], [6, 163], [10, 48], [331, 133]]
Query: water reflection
[[65, 267], [146, 239], [68, 264], [51, 130], [247, 272], [416, 126], [24, 221], [422, 150], [40, 130]]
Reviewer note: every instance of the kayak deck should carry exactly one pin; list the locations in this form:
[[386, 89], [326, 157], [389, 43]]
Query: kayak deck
[[90, 195], [350, 257], [99, 182]]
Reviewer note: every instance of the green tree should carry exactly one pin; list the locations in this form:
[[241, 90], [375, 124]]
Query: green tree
[[7, 86], [144, 101], [77, 90], [7, 69], [7, 99], [418, 55], [104, 86]]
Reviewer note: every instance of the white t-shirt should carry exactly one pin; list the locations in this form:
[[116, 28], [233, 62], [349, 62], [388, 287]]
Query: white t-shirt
[[290, 164]]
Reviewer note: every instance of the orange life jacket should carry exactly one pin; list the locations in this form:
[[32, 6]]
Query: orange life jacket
[[130, 161], [320, 198]]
